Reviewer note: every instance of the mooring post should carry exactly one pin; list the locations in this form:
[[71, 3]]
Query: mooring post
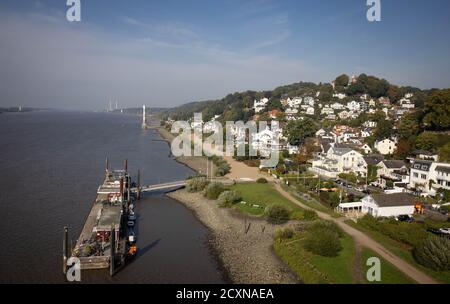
[[113, 250], [65, 249], [139, 184]]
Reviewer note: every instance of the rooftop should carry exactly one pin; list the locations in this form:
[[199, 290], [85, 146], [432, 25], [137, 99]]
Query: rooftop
[[394, 164], [393, 200]]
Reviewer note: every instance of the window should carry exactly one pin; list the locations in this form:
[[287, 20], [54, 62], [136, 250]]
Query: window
[[416, 174], [423, 176]]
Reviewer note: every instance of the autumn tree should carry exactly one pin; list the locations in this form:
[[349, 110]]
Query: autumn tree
[[437, 111]]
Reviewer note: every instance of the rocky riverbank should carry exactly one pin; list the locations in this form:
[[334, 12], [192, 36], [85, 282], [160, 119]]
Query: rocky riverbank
[[247, 257]]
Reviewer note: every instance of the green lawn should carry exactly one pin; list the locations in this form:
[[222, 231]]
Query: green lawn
[[315, 269], [401, 250], [262, 195], [389, 274]]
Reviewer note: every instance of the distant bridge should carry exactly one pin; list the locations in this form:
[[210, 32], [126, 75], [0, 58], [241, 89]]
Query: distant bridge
[[164, 186]]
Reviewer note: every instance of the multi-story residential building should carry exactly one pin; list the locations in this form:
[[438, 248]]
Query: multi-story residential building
[[309, 101], [340, 160], [392, 171], [428, 176], [370, 124], [310, 111], [326, 111]]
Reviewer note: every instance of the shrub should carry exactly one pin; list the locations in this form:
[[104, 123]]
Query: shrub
[[323, 242], [261, 180], [277, 214], [320, 225], [228, 198], [284, 233], [408, 233], [213, 190], [309, 215], [434, 253], [223, 169], [196, 184]]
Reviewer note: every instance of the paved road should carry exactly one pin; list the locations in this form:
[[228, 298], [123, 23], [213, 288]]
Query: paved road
[[364, 240]]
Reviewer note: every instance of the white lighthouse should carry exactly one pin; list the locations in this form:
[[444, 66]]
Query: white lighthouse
[[144, 120]]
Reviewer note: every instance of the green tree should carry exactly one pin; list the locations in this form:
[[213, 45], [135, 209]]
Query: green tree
[[342, 80], [384, 129], [297, 131], [437, 111], [444, 153], [427, 141]]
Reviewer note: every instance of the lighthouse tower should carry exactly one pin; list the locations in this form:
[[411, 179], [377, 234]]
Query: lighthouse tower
[[144, 120]]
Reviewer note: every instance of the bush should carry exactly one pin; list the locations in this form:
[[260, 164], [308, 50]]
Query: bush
[[409, 233], [320, 225], [213, 190], [196, 184], [229, 198], [309, 215], [323, 242], [284, 233], [261, 180], [434, 253], [223, 168], [277, 214]]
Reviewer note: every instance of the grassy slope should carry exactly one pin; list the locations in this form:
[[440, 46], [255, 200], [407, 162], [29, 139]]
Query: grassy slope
[[403, 251], [389, 274], [313, 269], [262, 195]]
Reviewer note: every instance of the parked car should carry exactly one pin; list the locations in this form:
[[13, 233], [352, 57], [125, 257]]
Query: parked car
[[130, 223], [132, 217], [445, 231], [360, 189], [405, 218], [434, 231]]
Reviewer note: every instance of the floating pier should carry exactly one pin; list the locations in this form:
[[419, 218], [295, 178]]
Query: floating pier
[[104, 241]]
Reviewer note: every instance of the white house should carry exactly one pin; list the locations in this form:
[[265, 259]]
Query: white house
[[326, 111], [394, 171], [337, 106], [295, 102], [428, 176], [309, 101], [291, 113], [339, 95], [370, 124], [331, 117], [260, 105], [386, 146], [310, 111], [340, 160], [344, 115], [382, 205], [354, 106]]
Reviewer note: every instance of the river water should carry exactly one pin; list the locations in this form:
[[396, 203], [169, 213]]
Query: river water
[[51, 164]]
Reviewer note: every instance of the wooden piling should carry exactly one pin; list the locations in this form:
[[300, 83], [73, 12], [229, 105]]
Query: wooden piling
[[65, 249]]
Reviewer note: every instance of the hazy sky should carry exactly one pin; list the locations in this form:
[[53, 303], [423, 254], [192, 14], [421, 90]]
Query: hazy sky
[[165, 53]]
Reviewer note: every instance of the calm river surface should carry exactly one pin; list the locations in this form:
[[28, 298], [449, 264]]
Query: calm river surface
[[51, 164]]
